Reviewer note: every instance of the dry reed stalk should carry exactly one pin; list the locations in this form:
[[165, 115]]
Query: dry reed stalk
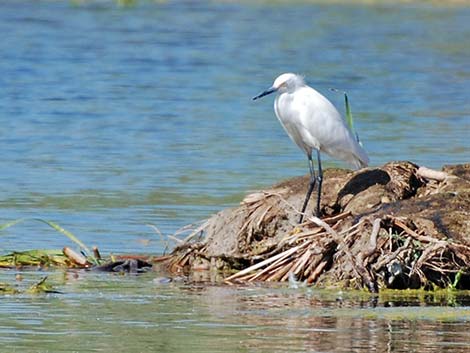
[[411, 232], [261, 264], [198, 230], [272, 267], [279, 275], [317, 272], [302, 236], [263, 215], [338, 217], [302, 261]]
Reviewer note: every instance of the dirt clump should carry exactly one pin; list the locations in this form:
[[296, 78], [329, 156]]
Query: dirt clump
[[397, 226]]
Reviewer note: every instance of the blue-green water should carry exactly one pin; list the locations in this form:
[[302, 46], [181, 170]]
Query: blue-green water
[[114, 117], [138, 314]]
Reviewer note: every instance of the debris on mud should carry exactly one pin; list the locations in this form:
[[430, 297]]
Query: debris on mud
[[398, 226]]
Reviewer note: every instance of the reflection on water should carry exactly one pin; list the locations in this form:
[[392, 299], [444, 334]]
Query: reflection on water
[[122, 314]]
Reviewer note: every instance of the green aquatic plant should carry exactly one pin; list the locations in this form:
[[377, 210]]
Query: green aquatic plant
[[458, 276], [34, 258], [41, 287], [59, 229], [6, 288], [348, 114]]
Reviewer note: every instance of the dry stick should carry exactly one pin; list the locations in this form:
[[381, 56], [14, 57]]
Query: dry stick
[[350, 235], [155, 228], [462, 252], [415, 235], [272, 266], [196, 231], [262, 263], [279, 275], [299, 265], [261, 218], [251, 219], [286, 270], [75, 257], [390, 257], [363, 274], [368, 252], [438, 268], [325, 225], [315, 220], [336, 225], [188, 227], [338, 217], [175, 239], [432, 174], [313, 266], [297, 236], [318, 270], [244, 226], [373, 240], [462, 248], [428, 253], [275, 266], [348, 231]]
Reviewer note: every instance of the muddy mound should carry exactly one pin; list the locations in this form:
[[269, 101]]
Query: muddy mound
[[397, 226]]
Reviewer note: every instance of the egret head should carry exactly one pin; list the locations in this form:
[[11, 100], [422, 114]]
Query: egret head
[[284, 83]]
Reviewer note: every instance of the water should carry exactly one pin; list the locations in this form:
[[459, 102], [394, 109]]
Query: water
[[137, 314], [114, 117]]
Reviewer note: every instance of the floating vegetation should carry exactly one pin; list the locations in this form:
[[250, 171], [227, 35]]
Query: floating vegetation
[[67, 258], [59, 229], [42, 286], [37, 258]]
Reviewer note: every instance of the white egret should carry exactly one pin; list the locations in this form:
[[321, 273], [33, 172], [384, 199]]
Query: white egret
[[313, 123]]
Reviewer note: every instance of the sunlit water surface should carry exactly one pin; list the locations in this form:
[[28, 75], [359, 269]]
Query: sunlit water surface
[[115, 117], [102, 312]]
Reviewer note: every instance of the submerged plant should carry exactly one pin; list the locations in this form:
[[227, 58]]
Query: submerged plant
[[41, 287]]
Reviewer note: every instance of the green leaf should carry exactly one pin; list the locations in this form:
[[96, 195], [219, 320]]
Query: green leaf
[[349, 118], [12, 223], [66, 233], [58, 228]]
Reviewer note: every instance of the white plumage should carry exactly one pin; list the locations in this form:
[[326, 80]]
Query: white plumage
[[313, 123]]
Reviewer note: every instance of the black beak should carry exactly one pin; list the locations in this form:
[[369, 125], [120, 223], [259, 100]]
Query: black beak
[[265, 93]]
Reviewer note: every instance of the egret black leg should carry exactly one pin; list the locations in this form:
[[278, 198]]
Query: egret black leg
[[311, 186], [320, 181]]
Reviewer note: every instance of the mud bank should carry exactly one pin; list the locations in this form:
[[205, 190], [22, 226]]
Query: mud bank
[[397, 226]]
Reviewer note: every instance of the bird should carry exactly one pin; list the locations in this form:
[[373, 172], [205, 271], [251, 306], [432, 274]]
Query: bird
[[313, 124]]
